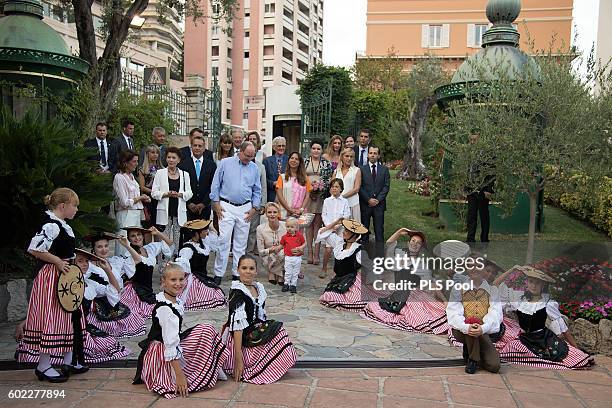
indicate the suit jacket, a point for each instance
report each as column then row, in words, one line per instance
column 93, row 143
column 200, row 187
column 119, row 145
column 160, row 187
column 370, row 189
column 271, row 166
column 356, row 149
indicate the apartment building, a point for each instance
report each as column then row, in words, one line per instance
column 272, row 42
column 453, row 29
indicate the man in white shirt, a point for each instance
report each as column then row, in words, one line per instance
column 471, row 329
column 105, row 155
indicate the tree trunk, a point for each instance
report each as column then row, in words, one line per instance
column 413, row 167
column 533, row 203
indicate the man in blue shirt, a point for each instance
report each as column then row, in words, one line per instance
column 275, row 165
column 236, row 196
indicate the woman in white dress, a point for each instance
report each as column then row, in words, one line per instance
column 351, row 177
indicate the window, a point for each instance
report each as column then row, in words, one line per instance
column 247, row 34
column 214, row 51
column 269, row 29
column 215, row 30
column 247, row 14
column 229, row 93
column 216, row 9
column 246, row 54
column 268, row 71
column 287, row 75
column 479, row 30
column 229, row 73
column 229, row 53
column 228, row 113
column 245, row 115
column 435, row 36
column 268, row 50
column 270, row 8
column 215, row 71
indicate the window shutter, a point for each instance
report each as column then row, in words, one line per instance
column 425, row 36
column 471, row 33
column 446, row 35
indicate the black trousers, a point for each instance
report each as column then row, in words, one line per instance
column 477, row 203
column 378, row 214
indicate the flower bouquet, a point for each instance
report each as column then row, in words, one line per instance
column 317, row 187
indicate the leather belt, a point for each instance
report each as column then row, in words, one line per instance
column 234, row 204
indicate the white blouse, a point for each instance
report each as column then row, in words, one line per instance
column 122, row 265
column 43, row 240
column 514, row 300
column 94, row 289
column 126, row 189
column 335, row 208
column 239, row 317
column 336, row 242
column 170, row 326
column 491, row 321
column 209, row 244
column 153, row 249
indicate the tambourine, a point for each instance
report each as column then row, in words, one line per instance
column 71, row 289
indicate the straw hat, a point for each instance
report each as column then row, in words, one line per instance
column 418, row 234
column 88, row 254
column 534, row 273
column 354, row 226
column 99, row 236
column 197, row 224
column 134, row 228
column 452, row 249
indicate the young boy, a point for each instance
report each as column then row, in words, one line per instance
column 334, row 207
column 293, row 243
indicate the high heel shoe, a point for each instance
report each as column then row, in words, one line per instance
column 43, row 377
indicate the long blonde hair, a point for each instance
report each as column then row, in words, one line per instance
column 146, row 164
column 60, row 195
column 329, row 150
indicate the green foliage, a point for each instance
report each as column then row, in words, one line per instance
column 146, row 111
column 317, row 80
column 37, row 157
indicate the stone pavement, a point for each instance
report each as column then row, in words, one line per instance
column 318, row 332
column 351, row 388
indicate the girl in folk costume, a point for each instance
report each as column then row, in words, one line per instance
column 411, row 310
column 201, row 292
column 344, row 290
column 138, row 294
column 539, row 345
column 174, row 362
column 260, row 349
column 113, row 317
column 48, row 328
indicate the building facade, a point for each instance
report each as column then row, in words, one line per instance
column 452, row 29
column 272, row 42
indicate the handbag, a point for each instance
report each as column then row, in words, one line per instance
column 261, row 333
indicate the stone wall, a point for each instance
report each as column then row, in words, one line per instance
column 591, row 337
column 14, row 300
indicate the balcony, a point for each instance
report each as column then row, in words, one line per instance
column 287, row 22
column 287, row 64
column 287, row 43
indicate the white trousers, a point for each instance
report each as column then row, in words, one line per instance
column 232, row 222
column 292, row 269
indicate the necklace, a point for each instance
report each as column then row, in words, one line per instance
column 172, row 172
column 312, row 165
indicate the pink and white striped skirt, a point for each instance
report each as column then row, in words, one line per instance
column 202, row 297
column 512, row 332
column 203, row 353
column 351, row 300
column 130, row 298
column 130, row 326
column 516, row 352
column 263, row 364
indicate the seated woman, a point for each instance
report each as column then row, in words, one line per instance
column 344, row 289
column 260, row 349
column 115, row 318
column 201, row 292
column 175, row 362
column 538, row 345
column 415, row 310
column 269, row 248
column 138, row 294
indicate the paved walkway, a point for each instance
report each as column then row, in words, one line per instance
column 354, row 388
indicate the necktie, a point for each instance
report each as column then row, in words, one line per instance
column 361, row 157
column 374, row 172
column 130, row 145
column 102, row 153
column 198, row 168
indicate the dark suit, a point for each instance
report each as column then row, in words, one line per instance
column 357, row 150
column 478, row 203
column 119, row 145
column 377, row 189
column 271, row 165
column 199, row 186
column 94, row 143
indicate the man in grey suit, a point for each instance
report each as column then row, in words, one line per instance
column 375, row 184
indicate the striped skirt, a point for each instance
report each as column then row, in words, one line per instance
column 130, row 298
column 517, row 353
column 351, row 300
column 130, row 326
column 48, row 327
column 511, row 333
column 422, row 313
column 203, row 354
column 202, row 297
column 263, row 364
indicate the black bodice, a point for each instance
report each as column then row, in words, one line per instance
column 347, row 265
column 63, row 244
column 197, row 262
column 530, row 323
column 142, row 282
column 155, row 333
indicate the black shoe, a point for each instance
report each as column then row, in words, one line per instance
column 280, row 283
column 285, row 288
column 465, row 354
column 293, row 289
column 43, row 377
column 217, row 280
column 471, row 366
column 68, row 370
column 234, row 277
column 273, row 282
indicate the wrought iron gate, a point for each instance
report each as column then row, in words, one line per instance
column 316, row 118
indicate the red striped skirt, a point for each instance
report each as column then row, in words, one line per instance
column 48, row 327
column 512, row 332
column 202, row 297
column 203, row 353
column 130, row 326
column 350, row 300
column 96, row 350
column 130, row 298
column 517, row 353
column 422, row 313
column 263, row 364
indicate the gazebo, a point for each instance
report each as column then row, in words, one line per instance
column 500, row 53
column 35, row 61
